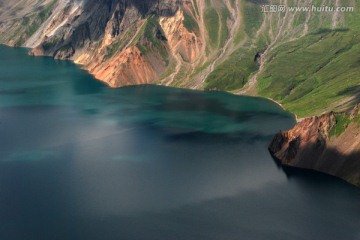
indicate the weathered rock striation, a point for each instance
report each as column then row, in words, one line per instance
column 120, row 42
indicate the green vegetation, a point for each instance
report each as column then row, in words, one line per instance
column 308, row 74
column 32, row 24
column 353, row 18
column 32, row 28
column 122, row 41
column 311, row 74
column 216, row 24
column 253, row 17
column 149, row 40
column 29, row 26
column 212, row 23
column 342, row 122
column 200, row 69
column 234, row 72
column 357, row 119
column 150, row 34
column 196, row 7
column 224, row 32
column 190, row 23
column 114, row 48
column 299, row 19
column 47, row 11
column 178, row 79
column 240, row 33
column 138, row 36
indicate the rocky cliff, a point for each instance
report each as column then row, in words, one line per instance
column 121, row 42
column 202, row 44
column 309, row 61
column 329, row 144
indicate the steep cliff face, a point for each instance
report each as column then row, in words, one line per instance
column 117, row 41
column 329, row 144
column 121, row 42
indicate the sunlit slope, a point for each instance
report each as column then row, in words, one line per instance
column 308, row 61
column 319, row 73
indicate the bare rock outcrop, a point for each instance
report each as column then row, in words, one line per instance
column 313, row 144
column 120, row 42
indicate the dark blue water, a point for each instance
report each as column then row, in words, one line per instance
column 81, row 161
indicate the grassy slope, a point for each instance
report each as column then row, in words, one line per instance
column 190, row 23
column 308, row 75
column 216, row 16
column 319, row 72
column 312, row 73
column 342, row 122
column 212, row 23
column 235, row 71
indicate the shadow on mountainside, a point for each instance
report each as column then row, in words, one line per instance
column 158, row 7
column 98, row 15
column 328, row 30
column 353, row 91
column 323, row 159
column 145, row 7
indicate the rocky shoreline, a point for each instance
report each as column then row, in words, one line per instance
column 314, row 144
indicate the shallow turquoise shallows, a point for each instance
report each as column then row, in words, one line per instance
column 81, row 161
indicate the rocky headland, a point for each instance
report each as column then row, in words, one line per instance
column 329, row 143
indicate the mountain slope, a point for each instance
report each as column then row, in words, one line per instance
column 125, row 42
column 203, row 44
column 309, row 61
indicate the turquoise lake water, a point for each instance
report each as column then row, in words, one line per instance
column 79, row 160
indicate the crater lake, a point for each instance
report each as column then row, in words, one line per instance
column 79, row 160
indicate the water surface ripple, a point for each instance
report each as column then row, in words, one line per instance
column 81, row 161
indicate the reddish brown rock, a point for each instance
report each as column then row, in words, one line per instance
column 309, row 145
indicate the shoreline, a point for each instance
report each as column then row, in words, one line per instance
column 283, row 108
column 297, row 119
column 200, row 90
